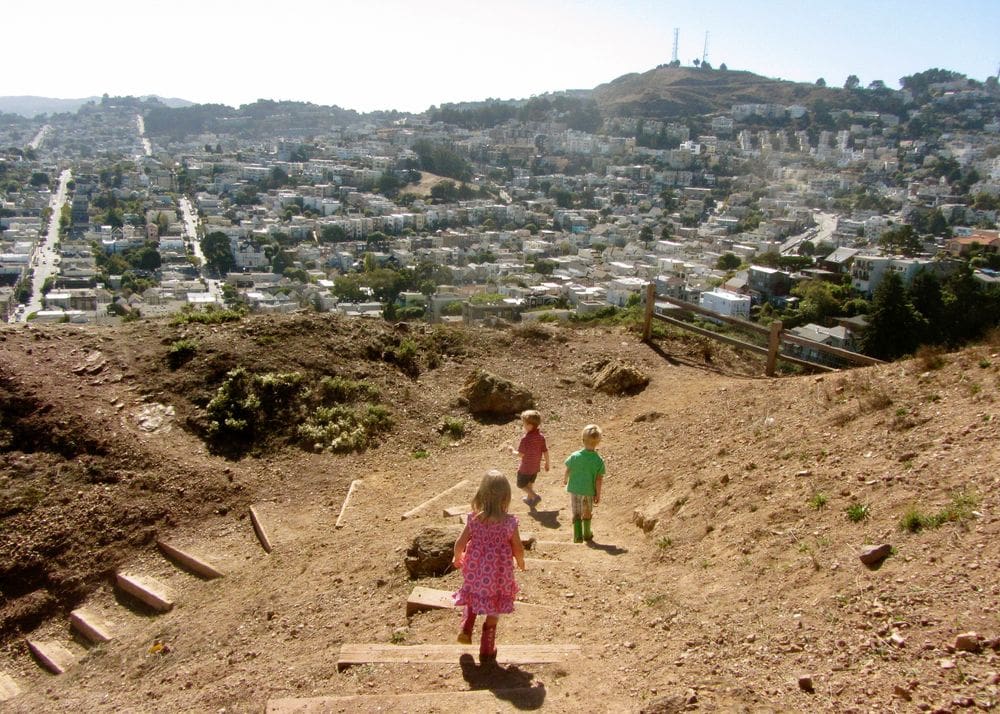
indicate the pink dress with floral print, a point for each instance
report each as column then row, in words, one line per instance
column 489, row 586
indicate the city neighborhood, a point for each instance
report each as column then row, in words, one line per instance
column 524, row 219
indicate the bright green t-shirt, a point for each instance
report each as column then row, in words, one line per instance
column 584, row 467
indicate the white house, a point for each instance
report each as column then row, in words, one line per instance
column 726, row 303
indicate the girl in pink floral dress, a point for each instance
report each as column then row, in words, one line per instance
column 484, row 552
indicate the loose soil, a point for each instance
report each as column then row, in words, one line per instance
column 725, row 566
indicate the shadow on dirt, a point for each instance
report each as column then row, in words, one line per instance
column 509, row 683
column 546, row 519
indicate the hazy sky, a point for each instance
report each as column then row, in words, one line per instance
column 410, row 54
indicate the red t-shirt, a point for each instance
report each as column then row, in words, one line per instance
column 531, row 448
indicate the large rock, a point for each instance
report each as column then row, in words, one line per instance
column 615, row 377
column 489, row 395
column 430, row 553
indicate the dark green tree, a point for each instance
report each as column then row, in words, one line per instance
column 218, row 255
column 728, row 261
column 894, row 326
column 928, row 300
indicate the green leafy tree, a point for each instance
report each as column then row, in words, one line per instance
column 928, row 299
column 852, row 82
column 902, row 240
column 728, row 261
column 894, row 325
column 218, row 254
column 332, row 234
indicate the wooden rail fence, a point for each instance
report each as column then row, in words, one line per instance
column 775, row 336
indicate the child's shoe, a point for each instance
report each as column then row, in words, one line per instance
column 468, row 622
column 577, row 530
column 587, row 533
column 488, row 643
column 536, row 501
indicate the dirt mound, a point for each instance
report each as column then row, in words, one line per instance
column 725, row 569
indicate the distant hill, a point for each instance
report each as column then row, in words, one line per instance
column 29, row 106
column 683, row 91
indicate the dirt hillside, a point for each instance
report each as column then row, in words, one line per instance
column 725, row 573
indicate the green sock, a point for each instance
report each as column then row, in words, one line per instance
column 587, row 535
column 577, row 530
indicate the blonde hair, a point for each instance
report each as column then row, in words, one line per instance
column 591, row 435
column 530, row 416
column 493, row 497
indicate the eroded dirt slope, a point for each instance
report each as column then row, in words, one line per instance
column 743, row 577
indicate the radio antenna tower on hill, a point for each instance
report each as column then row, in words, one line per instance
column 673, row 55
column 704, row 52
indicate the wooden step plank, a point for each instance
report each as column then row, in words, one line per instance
column 258, row 528
column 52, row 655
column 189, row 562
column 90, row 625
column 146, row 589
column 343, row 509
column 469, row 699
column 8, row 687
column 453, row 511
column 414, row 511
column 352, row 653
column 422, row 599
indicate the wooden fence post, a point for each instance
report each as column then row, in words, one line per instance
column 773, row 345
column 647, row 324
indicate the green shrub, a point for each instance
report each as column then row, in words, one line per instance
column 210, row 316
column 818, row 500
column 857, row 512
column 180, row 351
column 453, row 426
column 339, row 390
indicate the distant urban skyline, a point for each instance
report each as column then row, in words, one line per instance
column 394, row 54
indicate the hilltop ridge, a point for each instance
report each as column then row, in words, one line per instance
column 734, row 512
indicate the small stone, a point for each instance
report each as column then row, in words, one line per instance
column 897, row 639
column 875, row 554
column 902, row 692
column 993, row 678
column 946, row 663
column 964, row 702
column 968, row 642
column 806, row 683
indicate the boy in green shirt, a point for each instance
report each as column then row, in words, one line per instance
column 583, row 479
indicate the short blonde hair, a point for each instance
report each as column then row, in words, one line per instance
column 530, row 416
column 493, row 497
column 591, row 435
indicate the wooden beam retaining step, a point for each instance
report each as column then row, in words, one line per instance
column 191, row 563
column 52, row 655
column 452, row 511
column 90, row 625
column 8, row 687
column 353, row 654
column 414, row 511
column 422, row 599
column 343, row 509
column 258, row 528
column 146, row 589
column 468, row 699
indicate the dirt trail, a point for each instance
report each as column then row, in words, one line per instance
column 745, row 579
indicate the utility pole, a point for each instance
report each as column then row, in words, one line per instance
column 704, row 53
column 673, row 55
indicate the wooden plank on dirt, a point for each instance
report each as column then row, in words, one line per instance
column 414, row 511
column 90, row 625
column 422, row 599
column 8, row 687
column 189, row 562
column 350, row 492
column 146, row 589
column 352, row 654
column 52, row 655
column 258, row 528
column 467, row 699
column 452, row 511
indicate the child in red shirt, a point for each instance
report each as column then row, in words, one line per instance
column 532, row 449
